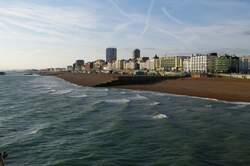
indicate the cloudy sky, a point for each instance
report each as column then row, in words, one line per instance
column 46, row 33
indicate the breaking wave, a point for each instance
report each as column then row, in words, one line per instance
column 160, row 116
column 62, row 92
column 117, row 101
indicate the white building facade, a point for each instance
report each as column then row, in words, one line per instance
column 201, row 63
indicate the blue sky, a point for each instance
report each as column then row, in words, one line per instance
column 39, row 34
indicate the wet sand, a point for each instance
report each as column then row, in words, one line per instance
column 235, row 90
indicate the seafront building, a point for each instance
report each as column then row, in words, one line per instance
column 89, row 66
column 70, row 68
column 212, row 63
column 187, row 65
column 155, row 63
column 136, row 54
column 245, row 64
column 99, row 64
column 120, row 64
column 201, row 63
column 167, row 63
column 227, row 64
column 222, row 64
column 235, row 64
column 143, row 63
column 111, row 55
column 78, row 65
column 172, row 63
column 131, row 65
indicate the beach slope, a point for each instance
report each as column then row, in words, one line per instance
column 235, row 90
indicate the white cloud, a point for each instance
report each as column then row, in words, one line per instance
column 45, row 19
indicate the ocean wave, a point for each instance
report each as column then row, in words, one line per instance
column 237, row 103
column 80, row 96
column 52, row 91
column 155, row 103
column 117, row 101
column 209, row 99
column 208, row 106
column 160, row 116
column 37, row 129
column 159, row 94
column 239, row 106
column 138, row 97
column 62, row 92
column 99, row 89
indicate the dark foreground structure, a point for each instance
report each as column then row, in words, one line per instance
column 3, row 156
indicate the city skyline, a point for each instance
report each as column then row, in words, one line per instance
column 38, row 34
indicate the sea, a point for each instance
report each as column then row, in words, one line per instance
column 46, row 121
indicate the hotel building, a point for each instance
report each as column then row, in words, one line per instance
column 201, row 63
column 172, row 63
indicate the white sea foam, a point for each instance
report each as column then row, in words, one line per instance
column 237, row 103
column 160, row 116
column 62, row 92
column 99, row 89
column 80, row 96
column 208, row 106
column 159, row 94
column 138, row 97
column 210, row 99
column 155, row 103
column 52, row 90
column 239, row 106
column 35, row 130
column 117, row 101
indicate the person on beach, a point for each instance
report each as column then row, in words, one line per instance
column 3, row 156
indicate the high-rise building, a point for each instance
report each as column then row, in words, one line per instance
column 111, row 55
column 136, row 54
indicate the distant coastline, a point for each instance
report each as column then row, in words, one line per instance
column 226, row 89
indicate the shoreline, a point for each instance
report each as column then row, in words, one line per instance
column 222, row 89
column 188, row 96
